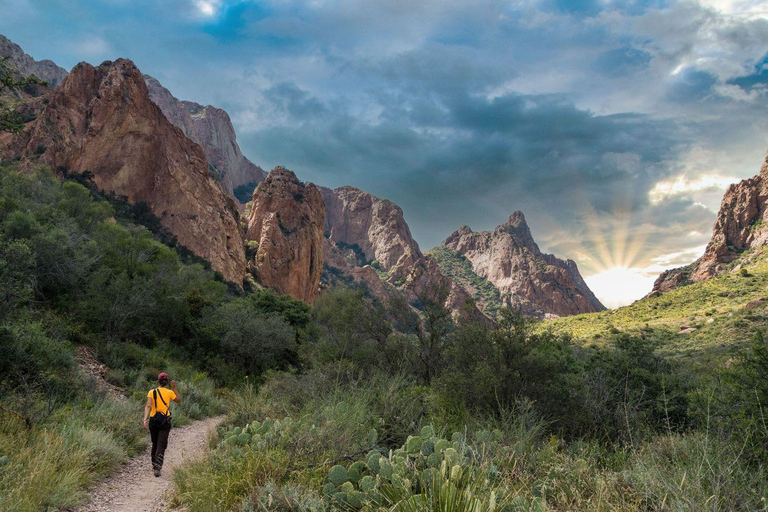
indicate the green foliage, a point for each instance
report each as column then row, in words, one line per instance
column 16, row 266
column 633, row 390
column 455, row 265
column 490, row 371
column 244, row 193
column 352, row 327
column 250, row 339
column 746, row 398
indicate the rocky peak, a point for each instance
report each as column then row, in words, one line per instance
column 376, row 226
column 538, row 284
column 517, row 219
column 212, row 129
column 101, row 120
column 741, row 224
column 45, row 70
column 285, row 235
column 362, row 230
column 518, row 228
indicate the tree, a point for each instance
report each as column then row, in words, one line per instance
column 432, row 326
column 10, row 120
column 16, row 270
column 353, row 327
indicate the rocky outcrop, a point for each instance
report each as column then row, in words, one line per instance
column 538, row 284
column 285, row 235
column 742, row 224
column 212, row 129
column 375, row 226
column 101, row 120
column 425, row 279
column 45, row 70
column 364, row 231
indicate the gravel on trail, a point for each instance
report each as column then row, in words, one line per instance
column 133, row 488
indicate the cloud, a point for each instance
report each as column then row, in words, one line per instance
column 206, row 8
column 90, row 47
column 606, row 122
column 682, row 185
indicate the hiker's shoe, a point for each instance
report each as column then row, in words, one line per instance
column 157, row 472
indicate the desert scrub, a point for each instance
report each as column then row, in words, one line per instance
column 288, row 434
column 685, row 471
column 50, row 465
column 135, row 368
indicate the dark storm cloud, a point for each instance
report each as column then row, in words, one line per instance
column 537, row 148
column 692, row 85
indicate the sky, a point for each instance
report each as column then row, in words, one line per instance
column 614, row 125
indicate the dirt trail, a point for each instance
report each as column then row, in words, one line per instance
column 135, row 489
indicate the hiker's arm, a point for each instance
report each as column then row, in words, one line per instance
column 147, row 408
column 176, row 392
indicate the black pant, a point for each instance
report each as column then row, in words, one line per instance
column 159, row 444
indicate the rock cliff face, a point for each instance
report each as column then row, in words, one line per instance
column 101, row 120
column 363, row 231
column 212, row 129
column 538, row 284
column 44, row 69
column 742, row 223
column 376, row 226
column 286, row 223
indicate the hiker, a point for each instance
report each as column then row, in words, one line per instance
column 159, row 412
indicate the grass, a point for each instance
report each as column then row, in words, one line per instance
column 724, row 311
column 52, row 464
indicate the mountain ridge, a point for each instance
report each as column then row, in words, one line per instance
column 537, row 284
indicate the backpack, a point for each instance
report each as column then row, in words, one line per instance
column 161, row 420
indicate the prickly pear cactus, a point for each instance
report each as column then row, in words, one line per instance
column 427, row 472
column 257, row 435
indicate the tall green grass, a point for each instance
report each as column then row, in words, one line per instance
column 51, row 465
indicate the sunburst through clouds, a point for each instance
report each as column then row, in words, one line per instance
column 616, row 255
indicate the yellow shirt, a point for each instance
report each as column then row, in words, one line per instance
column 168, row 396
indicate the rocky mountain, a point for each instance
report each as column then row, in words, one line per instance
column 367, row 241
column 44, row 69
column 285, row 235
column 101, row 120
column 538, row 284
column 212, row 129
column 373, row 226
column 742, row 224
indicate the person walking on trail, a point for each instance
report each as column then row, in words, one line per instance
column 158, row 409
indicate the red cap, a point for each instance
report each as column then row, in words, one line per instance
column 162, row 376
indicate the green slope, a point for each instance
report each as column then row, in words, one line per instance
column 724, row 311
column 456, row 266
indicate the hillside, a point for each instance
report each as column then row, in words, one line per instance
column 456, row 266
column 710, row 317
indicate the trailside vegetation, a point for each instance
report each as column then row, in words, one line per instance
column 454, row 415
column 77, row 270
